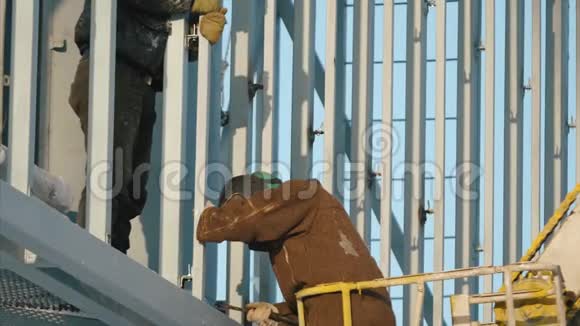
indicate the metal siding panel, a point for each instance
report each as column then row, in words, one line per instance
column 302, row 89
column 240, row 142
column 489, row 178
column 101, row 113
column 387, row 161
column 362, row 106
column 415, row 149
column 173, row 152
column 201, row 200
column 266, row 134
column 536, row 84
column 2, row 47
column 513, row 160
column 439, row 182
column 556, row 100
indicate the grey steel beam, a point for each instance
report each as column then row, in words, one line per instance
column 97, row 267
column 173, row 152
column 536, row 84
column 23, row 94
column 362, row 106
column 2, row 47
column 414, row 149
column 439, row 184
column 556, row 143
column 203, row 127
column 489, row 178
column 387, row 128
column 215, row 180
column 334, row 106
column 302, row 89
column 23, row 99
column 465, row 132
column 101, row 115
column 266, row 133
column 239, row 147
column 513, row 160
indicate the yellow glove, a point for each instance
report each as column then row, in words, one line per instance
column 205, row 6
column 211, row 25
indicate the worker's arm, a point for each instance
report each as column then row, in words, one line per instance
column 161, row 7
column 284, row 310
column 260, row 219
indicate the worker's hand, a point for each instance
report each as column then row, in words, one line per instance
column 259, row 312
column 211, row 25
column 203, row 7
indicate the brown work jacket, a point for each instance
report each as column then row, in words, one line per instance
column 311, row 241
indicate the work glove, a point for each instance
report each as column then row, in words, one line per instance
column 203, row 7
column 211, row 25
column 259, row 313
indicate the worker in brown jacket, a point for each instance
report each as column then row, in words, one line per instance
column 311, row 241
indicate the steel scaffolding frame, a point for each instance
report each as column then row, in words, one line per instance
column 242, row 139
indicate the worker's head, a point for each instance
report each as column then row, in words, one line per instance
column 248, row 184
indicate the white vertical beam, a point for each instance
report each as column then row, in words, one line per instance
column 2, row 46
column 334, row 97
column 387, row 162
column 513, row 159
column 173, row 151
column 556, row 104
column 101, row 113
column 439, row 182
column 466, row 135
column 302, row 89
column 240, row 113
column 266, row 133
column 362, row 107
column 202, row 131
column 489, row 177
column 23, row 97
column 414, row 149
column 536, row 116
column 23, row 93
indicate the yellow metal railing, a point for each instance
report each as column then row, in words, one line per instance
column 347, row 288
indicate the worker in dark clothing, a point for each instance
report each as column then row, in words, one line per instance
column 142, row 33
column 310, row 240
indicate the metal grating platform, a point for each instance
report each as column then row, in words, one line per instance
column 25, row 303
column 17, row 292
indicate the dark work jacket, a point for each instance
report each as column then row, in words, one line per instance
column 311, row 241
column 142, row 31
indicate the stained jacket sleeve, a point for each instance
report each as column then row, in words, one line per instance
column 260, row 219
column 161, row 7
column 286, row 311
